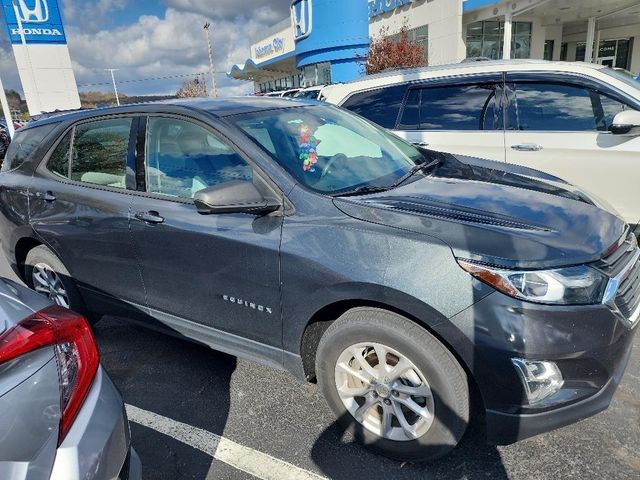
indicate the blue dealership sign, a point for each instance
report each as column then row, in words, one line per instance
column 39, row 20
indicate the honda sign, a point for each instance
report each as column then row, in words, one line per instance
column 39, row 21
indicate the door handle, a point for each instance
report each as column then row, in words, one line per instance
column 149, row 217
column 420, row 144
column 49, row 197
column 527, row 147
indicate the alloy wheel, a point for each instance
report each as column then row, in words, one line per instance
column 47, row 282
column 384, row 391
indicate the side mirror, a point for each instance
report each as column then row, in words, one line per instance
column 236, row 196
column 626, row 123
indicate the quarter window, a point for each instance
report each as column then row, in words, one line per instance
column 182, row 158
column 380, row 106
column 464, row 107
column 23, row 145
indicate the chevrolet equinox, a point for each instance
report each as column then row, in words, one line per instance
column 408, row 283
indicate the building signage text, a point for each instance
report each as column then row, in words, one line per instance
column 276, row 46
column 379, row 7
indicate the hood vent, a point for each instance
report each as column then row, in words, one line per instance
column 456, row 214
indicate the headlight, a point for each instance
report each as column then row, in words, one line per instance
column 579, row 285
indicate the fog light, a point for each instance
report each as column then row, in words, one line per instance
column 540, row 379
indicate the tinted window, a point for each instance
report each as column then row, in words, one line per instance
column 380, row 106
column 23, row 145
column 411, row 113
column 59, row 159
column 183, row 158
column 555, row 107
column 463, row 107
column 100, row 152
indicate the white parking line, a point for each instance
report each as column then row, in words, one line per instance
column 243, row 458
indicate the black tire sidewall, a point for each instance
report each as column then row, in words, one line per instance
column 446, row 378
column 42, row 254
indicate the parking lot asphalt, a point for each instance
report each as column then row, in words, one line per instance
column 201, row 414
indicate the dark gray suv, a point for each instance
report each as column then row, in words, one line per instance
column 406, row 282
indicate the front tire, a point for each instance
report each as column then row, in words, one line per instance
column 46, row 274
column 393, row 385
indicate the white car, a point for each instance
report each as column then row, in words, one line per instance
column 577, row 121
column 312, row 93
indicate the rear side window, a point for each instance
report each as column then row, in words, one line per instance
column 24, row 143
column 380, row 106
column 458, row 107
column 97, row 151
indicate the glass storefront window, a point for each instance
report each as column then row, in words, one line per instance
column 613, row 53
column 318, row 74
column 485, row 39
column 548, row 49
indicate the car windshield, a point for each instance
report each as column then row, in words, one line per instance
column 330, row 150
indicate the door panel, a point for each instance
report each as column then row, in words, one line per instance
column 465, row 118
column 562, row 129
column 86, row 222
column 219, row 270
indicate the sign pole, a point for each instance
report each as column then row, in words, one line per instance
column 26, row 52
column 6, row 110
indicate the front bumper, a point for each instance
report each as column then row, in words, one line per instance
column 591, row 346
column 97, row 447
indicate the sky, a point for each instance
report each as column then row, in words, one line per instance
column 146, row 39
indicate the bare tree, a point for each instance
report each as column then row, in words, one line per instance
column 393, row 51
column 192, row 88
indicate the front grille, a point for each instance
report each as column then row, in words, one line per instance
column 628, row 296
column 623, row 266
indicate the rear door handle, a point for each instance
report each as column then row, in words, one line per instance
column 527, row 147
column 149, row 217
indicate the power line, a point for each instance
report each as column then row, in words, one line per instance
column 137, row 80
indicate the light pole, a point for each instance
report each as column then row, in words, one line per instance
column 212, row 68
column 113, row 79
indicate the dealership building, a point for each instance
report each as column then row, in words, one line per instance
column 324, row 41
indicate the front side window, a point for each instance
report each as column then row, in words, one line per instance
column 563, row 107
column 182, row 158
column 330, row 150
column 464, row 107
column 97, row 150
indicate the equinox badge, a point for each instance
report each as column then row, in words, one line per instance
column 245, row 303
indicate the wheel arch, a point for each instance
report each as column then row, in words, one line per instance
column 23, row 246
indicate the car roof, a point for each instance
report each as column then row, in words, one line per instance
column 464, row 68
column 217, row 107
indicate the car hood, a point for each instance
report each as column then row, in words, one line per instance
column 494, row 215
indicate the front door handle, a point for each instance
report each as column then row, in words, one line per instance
column 149, row 217
column 527, row 147
column 420, row 144
column 49, row 197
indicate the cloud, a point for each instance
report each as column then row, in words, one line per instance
column 162, row 46
column 269, row 11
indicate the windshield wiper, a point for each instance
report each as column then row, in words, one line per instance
column 415, row 169
column 363, row 190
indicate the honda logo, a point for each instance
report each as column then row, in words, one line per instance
column 301, row 17
column 31, row 11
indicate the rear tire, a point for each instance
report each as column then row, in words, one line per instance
column 46, row 274
column 429, row 389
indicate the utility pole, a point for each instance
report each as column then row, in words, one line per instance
column 212, row 68
column 113, row 79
